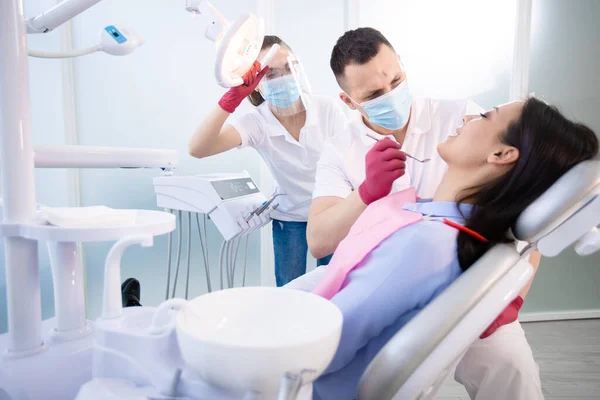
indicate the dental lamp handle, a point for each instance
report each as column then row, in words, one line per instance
column 266, row 60
column 112, row 303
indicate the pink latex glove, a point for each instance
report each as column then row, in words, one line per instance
column 384, row 164
column 510, row 314
column 234, row 96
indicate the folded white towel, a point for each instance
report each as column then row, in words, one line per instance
column 88, row 217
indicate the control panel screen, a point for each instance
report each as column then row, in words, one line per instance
column 232, row 188
column 115, row 34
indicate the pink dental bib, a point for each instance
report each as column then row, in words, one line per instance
column 381, row 219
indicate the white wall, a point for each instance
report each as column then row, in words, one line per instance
column 311, row 28
column 450, row 49
column 565, row 61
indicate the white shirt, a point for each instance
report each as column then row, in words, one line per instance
column 341, row 168
column 292, row 163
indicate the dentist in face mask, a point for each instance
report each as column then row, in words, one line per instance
column 288, row 126
column 368, row 159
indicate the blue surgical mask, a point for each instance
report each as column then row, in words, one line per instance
column 281, row 92
column 391, row 110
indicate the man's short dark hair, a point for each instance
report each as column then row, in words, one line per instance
column 358, row 46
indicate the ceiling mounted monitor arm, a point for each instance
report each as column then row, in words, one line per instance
column 68, row 9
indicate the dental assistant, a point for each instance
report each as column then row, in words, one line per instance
column 288, row 127
column 356, row 170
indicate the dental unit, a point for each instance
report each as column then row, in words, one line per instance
column 233, row 202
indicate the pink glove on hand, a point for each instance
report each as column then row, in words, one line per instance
column 384, row 164
column 234, row 96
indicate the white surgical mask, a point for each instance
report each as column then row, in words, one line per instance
column 391, row 110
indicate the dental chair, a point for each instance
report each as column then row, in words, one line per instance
column 417, row 360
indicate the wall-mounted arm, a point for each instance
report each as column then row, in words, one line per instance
column 68, row 9
column 103, row 157
column 58, row 15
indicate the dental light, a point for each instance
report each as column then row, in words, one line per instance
column 238, row 42
column 115, row 40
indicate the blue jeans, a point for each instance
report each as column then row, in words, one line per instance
column 290, row 247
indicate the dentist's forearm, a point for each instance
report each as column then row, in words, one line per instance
column 329, row 222
column 210, row 138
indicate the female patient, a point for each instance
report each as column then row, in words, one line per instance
column 497, row 165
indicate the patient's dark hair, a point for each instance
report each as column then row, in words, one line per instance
column 549, row 145
column 255, row 97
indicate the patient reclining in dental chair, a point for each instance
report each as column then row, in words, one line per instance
column 402, row 253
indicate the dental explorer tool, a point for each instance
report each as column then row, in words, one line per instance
column 268, row 203
column 369, row 134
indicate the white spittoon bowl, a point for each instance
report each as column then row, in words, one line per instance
column 245, row 339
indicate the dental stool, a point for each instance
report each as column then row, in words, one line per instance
column 417, row 360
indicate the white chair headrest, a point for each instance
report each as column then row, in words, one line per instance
column 573, row 191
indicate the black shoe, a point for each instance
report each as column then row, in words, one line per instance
column 131, row 292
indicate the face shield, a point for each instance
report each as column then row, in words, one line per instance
column 285, row 87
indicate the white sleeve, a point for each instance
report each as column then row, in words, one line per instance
column 331, row 180
column 250, row 128
column 308, row 281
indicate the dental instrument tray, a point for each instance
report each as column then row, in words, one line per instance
column 146, row 222
column 226, row 198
